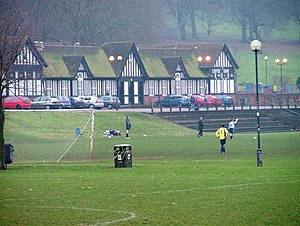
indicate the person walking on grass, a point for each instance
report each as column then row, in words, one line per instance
column 231, row 126
column 200, row 127
column 128, row 126
column 222, row 134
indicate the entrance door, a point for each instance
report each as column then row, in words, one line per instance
column 131, row 92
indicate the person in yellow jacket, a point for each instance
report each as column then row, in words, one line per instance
column 222, row 134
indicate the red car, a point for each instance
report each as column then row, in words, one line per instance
column 201, row 101
column 213, row 101
column 15, row 102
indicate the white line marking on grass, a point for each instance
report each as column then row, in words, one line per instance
column 215, row 187
column 130, row 217
column 252, row 184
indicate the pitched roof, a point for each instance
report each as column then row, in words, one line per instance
column 36, row 52
column 13, row 46
column 109, row 60
column 120, row 52
column 163, row 62
column 171, row 63
column 72, row 63
column 63, row 61
column 201, row 49
column 213, row 50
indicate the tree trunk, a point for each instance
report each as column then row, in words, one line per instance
column 244, row 32
column 182, row 32
column 2, row 150
column 193, row 23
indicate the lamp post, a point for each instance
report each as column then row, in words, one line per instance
column 266, row 60
column 281, row 63
column 256, row 46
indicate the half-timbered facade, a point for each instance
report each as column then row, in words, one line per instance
column 25, row 77
column 137, row 75
column 171, row 71
column 219, row 65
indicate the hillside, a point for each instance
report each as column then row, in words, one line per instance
column 272, row 49
column 280, row 43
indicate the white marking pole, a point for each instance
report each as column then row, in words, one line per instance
column 92, row 135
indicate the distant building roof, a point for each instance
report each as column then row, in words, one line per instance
column 109, row 60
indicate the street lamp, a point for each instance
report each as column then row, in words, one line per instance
column 266, row 60
column 281, row 63
column 256, row 46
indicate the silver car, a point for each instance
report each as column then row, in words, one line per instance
column 92, row 102
column 45, row 102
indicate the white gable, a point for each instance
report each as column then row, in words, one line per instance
column 223, row 61
column 131, row 68
column 26, row 57
column 180, row 71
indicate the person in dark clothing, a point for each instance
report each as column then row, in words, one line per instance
column 192, row 100
column 222, row 134
column 200, row 127
column 128, row 126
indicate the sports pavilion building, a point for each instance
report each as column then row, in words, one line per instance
column 136, row 74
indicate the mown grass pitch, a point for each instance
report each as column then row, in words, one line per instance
column 176, row 179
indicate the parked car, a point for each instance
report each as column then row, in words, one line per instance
column 111, row 101
column 199, row 101
column 213, row 101
column 77, row 102
column 174, row 100
column 16, row 102
column 64, row 101
column 226, row 100
column 45, row 102
column 92, row 102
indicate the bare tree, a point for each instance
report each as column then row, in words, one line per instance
column 40, row 15
column 74, row 16
column 210, row 14
column 180, row 10
column 13, row 34
column 294, row 10
column 193, row 6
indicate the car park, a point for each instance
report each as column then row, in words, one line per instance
column 111, row 101
column 64, row 101
column 45, row 102
column 92, row 102
column 76, row 102
column 174, row 100
column 16, row 102
column 226, row 100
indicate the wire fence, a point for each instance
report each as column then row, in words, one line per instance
column 48, row 136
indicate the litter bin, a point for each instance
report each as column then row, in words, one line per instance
column 9, row 153
column 123, row 155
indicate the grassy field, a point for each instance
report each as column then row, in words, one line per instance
column 176, row 178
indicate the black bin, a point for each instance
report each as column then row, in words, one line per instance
column 123, row 155
column 9, row 153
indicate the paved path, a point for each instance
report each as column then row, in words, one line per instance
column 176, row 109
